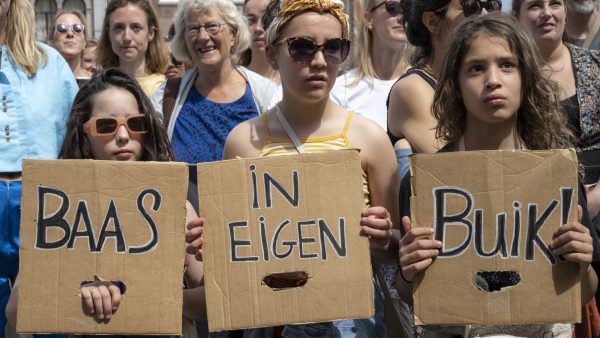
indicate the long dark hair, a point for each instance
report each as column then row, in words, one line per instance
column 416, row 32
column 76, row 145
column 541, row 123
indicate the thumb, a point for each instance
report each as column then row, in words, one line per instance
column 406, row 223
column 579, row 213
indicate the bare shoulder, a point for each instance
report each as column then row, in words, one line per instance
column 412, row 87
column 245, row 140
column 366, row 133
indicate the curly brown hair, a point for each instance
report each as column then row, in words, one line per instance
column 541, row 122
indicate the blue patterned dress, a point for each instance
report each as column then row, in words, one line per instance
column 203, row 125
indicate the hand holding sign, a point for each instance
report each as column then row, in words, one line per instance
column 377, row 225
column 417, row 249
column 573, row 242
column 101, row 298
column 193, row 237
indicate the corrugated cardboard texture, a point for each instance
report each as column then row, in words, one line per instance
column 329, row 188
column 50, row 278
column 445, row 293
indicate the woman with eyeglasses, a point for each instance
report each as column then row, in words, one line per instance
column 132, row 41
column 379, row 54
column 36, row 93
column 67, row 35
column 429, row 25
column 216, row 95
column 306, row 42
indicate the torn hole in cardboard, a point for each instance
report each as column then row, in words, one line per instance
column 285, row 280
column 491, row 281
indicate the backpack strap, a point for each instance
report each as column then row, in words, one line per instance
column 169, row 98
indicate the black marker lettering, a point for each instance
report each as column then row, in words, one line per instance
column 153, row 242
column 302, row 239
column 441, row 220
column 270, row 181
column 55, row 220
column 111, row 214
column 339, row 246
column 82, row 214
column 235, row 243
column 533, row 227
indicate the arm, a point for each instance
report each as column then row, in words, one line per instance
column 379, row 161
column 245, row 140
column 194, row 303
column 409, row 114
column 11, row 307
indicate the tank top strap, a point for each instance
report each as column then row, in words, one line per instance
column 347, row 124
column 345, row 130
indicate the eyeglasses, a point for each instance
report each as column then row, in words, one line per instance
column 102, row 126
column 394, row 8
column 63, row 27
column 303, row 50
column 471, row 7
column 210, row 28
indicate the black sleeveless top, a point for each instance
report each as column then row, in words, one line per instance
column 421, row 73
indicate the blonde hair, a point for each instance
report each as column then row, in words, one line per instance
column 362, row 47
column 156, row 55
column 20, row 37
column 75, row 12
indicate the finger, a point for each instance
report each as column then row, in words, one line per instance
column 570, row 227
column 115, row 296
column 196, row 222
column 410, row 271
column 573, row 247
column 414, row 234
column 578, row 257
column 106, row 301
column 193, row 234
column 377, row 211
column 87, row 299
column 198, row 256
column 194, row 246
column 569, row 237
column 406, row 223
column 97, row 299
column 375, row 233
column 379, row 223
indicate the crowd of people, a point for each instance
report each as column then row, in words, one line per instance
column 283, row 77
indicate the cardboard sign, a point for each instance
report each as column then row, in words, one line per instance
column 298, row 216
column 116, row 220
column 495, row 212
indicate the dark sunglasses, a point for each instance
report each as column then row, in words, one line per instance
column 63, row 27
column 394, row 8
column 471, row 7
column 96, row 126
column 303, row 50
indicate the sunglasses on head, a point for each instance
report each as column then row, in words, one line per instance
column 63, row 27
column 303, row 50
column 471, row 7
column 96, row 126
column 393, row 8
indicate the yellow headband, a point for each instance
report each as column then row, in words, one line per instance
column 293, row 8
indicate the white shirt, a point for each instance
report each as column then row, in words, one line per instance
column 368, row 98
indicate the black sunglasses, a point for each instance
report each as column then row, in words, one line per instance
column 63, row 27
column 394, row 8
column 471, row 7
column 303, row 50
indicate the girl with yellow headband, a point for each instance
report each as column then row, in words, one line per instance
column 306, row 43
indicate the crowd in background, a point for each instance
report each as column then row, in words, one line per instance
column 284, row 77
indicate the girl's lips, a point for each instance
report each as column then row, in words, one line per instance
column 123, row 155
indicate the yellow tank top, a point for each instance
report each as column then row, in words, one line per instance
column 284, row 146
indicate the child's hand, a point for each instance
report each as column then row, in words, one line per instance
column 573, row 242
column 416, row 251
column 101, row 298
column 377, row 225
column 193, row 237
